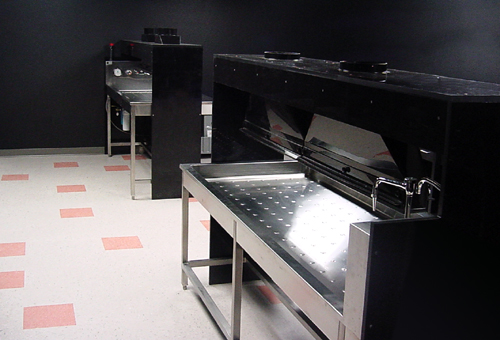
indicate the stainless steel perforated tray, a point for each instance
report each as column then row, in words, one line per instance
column 304, row 223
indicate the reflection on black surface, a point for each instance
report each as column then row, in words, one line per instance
column 319, row 137
column 403, row 80
column 332, row 138
column 281, row 124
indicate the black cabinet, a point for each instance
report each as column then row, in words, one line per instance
column 175, row 132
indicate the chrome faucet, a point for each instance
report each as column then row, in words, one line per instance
column 430, row 182
column 408, row 185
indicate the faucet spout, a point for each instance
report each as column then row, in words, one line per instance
column 428, row 181
column 408, row 185
column 432, row 184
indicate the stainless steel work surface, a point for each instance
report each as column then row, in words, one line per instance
column 303, row 222
column 135, row 98
column 138, row 100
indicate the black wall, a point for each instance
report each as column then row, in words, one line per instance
column 53, row 51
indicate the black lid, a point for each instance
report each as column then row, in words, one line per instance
column 363, row 66
column 281, row 55
column 161, row 30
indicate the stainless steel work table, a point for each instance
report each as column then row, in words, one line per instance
column 138, row 102
column 295, row 229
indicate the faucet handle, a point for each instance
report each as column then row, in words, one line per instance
column 429, row 181
column 410, row 185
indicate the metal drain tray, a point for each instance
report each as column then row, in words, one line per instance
column 301, row 223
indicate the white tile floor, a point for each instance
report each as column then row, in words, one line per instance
column 79, row 259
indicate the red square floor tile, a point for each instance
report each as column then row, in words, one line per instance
column 49, row 316
column 70, row 188
column 137, row 157
column 18, row 177
column 12, row 249
column 126, row 242
column 66, row 165
column 206, row 224
column 11, row 280
column 268, row 294
column 76, row 212
column 116, row 167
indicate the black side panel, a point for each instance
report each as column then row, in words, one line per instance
column 472, row 179
column 229, row 144
column 392, row 246
column 451, row 290
column 176, row 128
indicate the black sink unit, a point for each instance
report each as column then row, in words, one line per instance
column 173, row 105
column 440, row 280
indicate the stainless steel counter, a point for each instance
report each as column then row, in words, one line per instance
column 294, row 228
column 136, row 102
column 132, row 89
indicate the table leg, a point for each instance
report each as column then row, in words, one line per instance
column 185, row 234
column 108, row 111
column 132, row 153
column 237, row 285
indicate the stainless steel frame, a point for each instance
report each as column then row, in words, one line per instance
column 230, row 331
column 298, row 233
column 137, row 111
column 135, row 96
